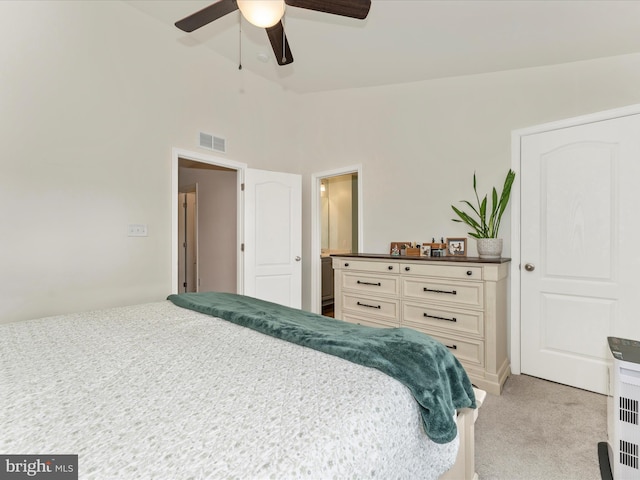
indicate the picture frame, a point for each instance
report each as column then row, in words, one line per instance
column 457, row 247
column 425, row 250
column 398, row 246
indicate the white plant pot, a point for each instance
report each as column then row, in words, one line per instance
column 489, row 248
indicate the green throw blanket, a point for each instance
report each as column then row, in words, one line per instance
column 435, row 377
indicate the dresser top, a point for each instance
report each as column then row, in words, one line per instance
column 424, row 259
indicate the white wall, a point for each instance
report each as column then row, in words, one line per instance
column 94, row 95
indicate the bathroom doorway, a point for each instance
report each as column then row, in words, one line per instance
column 338, row 229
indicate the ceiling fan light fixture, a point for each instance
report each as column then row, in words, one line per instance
column 262, row 13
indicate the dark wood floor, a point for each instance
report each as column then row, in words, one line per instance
column 327, row 310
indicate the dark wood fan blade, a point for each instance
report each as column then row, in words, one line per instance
column 207, row 15
column 276, row 37
column 346, row 8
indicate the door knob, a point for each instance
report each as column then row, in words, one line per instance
column 298, row 259
column 529, row 267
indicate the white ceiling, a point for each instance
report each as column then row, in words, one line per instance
column 411, row 40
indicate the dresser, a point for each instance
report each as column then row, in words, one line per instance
column 460, row 301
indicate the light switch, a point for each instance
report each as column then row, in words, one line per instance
column 137, row 230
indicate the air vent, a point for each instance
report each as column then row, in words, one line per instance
column 629, row 410
column 629, row 454
column 211, row 142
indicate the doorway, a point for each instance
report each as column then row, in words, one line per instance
column 219, row 220
column 336, row 228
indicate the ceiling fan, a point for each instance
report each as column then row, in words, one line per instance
column 268, row 14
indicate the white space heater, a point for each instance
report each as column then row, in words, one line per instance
column 623, row 409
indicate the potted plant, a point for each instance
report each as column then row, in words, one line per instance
column 486, row 222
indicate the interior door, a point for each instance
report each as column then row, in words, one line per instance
column 188, row 277
column 273, row 237
column 579, row 253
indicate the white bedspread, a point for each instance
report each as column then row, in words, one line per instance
column 159, row 392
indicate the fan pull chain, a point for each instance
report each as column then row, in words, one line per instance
column 240, row 42
column 284, row 41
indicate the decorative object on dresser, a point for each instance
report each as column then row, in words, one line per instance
column 460, row 301
column 396, row 247
column 487, row 228
column 489, row 247
column 412, row 251
column 438, row 249
column 457, row 247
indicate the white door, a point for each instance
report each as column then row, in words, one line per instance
column 273, row 237
column 580, row 259
column 188, row 239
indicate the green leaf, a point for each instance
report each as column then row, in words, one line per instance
column 465, row 218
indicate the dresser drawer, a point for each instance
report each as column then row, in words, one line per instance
column 445, row 271
column 452, row 293
column 379, row 307
column 366, row 266
column 467, row 350
column 369, row 321
column 421, row 316
column 372, row 284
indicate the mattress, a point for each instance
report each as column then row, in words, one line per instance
column 155, row 391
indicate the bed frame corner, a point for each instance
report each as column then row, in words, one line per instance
column 464, row 468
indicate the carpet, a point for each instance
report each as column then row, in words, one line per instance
column 540, row 430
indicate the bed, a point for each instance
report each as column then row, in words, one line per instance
column 164, row 391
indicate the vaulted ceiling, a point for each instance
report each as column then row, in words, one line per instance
column 412, row 40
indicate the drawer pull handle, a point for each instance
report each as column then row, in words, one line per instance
column 406, row 269
column 390, row 267
column 378, row 284
column 369, row 306
column 346, row 264
column 469, row 272
column 452, row 347
column 450, row 292
column 454, row 319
